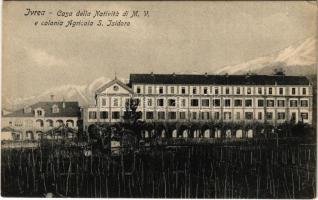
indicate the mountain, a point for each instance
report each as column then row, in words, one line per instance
column 84, row 94
column 297, row 59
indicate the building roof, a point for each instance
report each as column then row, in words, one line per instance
column 115, row 81
column 204, row 79
column 71, row 109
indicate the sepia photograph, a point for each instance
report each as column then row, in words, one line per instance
column 159, row 99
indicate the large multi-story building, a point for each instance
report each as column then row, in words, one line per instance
column 272, row 99
column 30, row 122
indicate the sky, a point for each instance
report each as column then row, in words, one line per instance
column 180, row 37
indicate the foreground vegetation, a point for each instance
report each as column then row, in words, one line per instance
column 245, row 169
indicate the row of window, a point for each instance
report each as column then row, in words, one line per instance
column 216, row 90
column 161, row 115
column 40, row 123
column 217, row 103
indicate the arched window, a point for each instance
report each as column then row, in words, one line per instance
column 70, row 123
column 59, row 122
column 49, row 123
column 39, row 123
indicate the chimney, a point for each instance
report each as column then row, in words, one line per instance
column 52, row 97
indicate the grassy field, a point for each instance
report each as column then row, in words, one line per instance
column 246, row 169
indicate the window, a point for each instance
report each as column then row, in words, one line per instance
column 171, row 90
column 238, row 115
column 293, row 103
column 149, row 90
column 55, row 109
column 216, row 90
column 104, row 115
column 281, row 103
column 260, row 116
column 238, row 90
column 115, row 115
column 270, row 103
column 205, row 115
column 182, row 115
column 161, row 115
column 149, row 115
column 260, row 103
column 138, row 90
column 103, row 102
column 183, row 103
column 18, row 123
column 171, row 102
column 29, row 123
column 304, row 103
column 149, row 102
column 92, row 115
column 249, row 115
column 160, row 102
column 194, row 90
column 280, row 115
column 205, row 90
column 248, row 102
column 183, row 90
column 216, row 115
column 249, row 91
column 269, row 115
column 137, row 102
column 227, row 102
column 194, row 102
column 127, row 102
column 216, row 102
column 270, row 90
column 160, row 90
column 205, row 102
column 237, row 102
column 172, row 115
column 304, row 91
column 227, row 115
column 281, row 90
column 304, row 115
column 293, row 116
column 293, row 90
column 115, row 103
column 259, row 90
column 194, row 115
column 39, row 112
column 227, row 90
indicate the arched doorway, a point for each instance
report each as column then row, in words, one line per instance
column 228, row 133
column 70, row 123
column 29, row 135
column 239, row 133
column 250, row 133
column 39, row 123
column 217, row 133
column 59, row 122
column 49, row 123
column 174, row 133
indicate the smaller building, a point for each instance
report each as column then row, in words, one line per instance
column 34, row 120
column 9, row 134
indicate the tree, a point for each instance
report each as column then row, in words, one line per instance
column 279, row 71
column 131, row 116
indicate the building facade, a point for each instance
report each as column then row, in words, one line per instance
column 220, row 98
column 32, row 121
